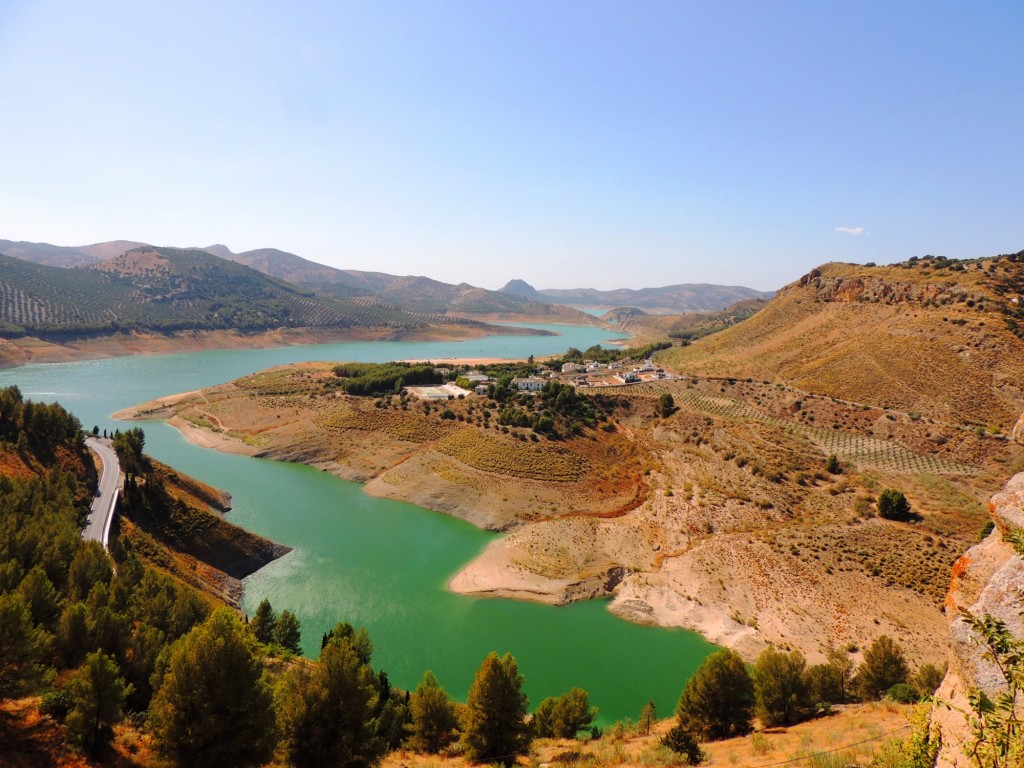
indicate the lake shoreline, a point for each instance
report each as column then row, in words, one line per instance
column 210, row 419
column 375, row 561
column 28, row 350
column 488, row 575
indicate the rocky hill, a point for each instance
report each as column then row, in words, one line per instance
column 686, row 327
column 669, row 299
column 928, row 336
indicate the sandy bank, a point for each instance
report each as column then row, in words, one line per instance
column 16, row 352
column 206, row 438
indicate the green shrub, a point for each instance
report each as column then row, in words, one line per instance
column 681, row 740
column 904, row 693
column 56, row 704
column 893, row 505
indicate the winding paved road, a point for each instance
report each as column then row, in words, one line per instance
column 101, row 515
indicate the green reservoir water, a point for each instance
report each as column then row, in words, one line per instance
column 379, row 563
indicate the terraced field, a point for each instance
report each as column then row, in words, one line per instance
column 860, row 450
column 401, row 425
column 505, row 456
column 928, row 335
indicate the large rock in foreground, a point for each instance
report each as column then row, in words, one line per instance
column 988, row 579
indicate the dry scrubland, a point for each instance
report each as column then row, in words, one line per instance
column 721, row 516
column 923, row 337
column 853, row 734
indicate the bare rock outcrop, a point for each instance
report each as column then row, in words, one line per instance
column 988, row 579
column 884, row 290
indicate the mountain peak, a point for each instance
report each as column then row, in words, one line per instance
column 217, row 249
column 519, row 287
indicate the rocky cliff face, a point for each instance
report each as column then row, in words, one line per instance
column 884, row 290
column 988, row 579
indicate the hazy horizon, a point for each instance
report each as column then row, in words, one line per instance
column 570, row 145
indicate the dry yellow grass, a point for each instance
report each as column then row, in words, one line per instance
column 852, row 735
column 915, row 339
column 403, row 425
column 506, row 456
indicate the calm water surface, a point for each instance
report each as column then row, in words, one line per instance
column 379, row 563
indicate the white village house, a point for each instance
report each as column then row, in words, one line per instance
column 528, row 383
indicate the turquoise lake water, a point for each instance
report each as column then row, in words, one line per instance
column 379, row 563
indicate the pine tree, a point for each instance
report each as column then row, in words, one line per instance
column 542, row 722
column 72, row 639
column 41, row 597
column 824, row 684
column 433, row 716
column 326, row 710
column 718, row 701
column 90, row 566
column 22, row 647
column 781, row 690
column 212, row 707
column 839, row 659
column 572, row 713
column 666, row 405
column 884, row 666
column 893, row 505
column 97, row 695
column 287, row 633
column 648, row 717
column 263, row 622
column 682, row 741
column 495, row 728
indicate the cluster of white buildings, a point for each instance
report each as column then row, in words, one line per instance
column 587, row 373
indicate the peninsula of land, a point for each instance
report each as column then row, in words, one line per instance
column 744, row 508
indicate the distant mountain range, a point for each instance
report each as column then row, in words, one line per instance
column 420, row 294
column 410, row 293
column 173, row 289
column 670, row 299
column 169, row 290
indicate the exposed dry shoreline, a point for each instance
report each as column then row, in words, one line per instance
column 494, row 573
column 724, row 525
column 16, row 352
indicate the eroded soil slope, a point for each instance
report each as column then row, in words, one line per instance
column 720, row 517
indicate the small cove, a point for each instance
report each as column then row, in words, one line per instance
column 379, row 563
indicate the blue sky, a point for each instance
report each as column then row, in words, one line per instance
column 603, row 144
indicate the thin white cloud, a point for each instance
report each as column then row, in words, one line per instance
column 851, row 231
